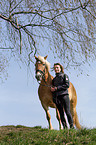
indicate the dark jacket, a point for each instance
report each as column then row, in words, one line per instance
column 61, row 81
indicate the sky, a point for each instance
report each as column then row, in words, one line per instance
column 20, row 104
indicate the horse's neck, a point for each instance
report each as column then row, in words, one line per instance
column 48, row 78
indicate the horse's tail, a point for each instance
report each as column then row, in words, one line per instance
column 77, row 122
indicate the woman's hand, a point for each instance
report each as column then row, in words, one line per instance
column 53, row 89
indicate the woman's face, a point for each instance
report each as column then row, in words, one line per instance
column 57, row 68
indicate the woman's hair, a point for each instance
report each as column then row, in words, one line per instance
column 62, row 69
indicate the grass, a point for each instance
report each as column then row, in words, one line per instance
column 21, row 135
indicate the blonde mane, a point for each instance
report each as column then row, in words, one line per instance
column 43, row 60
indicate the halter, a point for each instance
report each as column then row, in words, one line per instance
column 43, row 76
column 42, row 72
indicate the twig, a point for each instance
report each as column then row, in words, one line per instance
column 20, row 41
column 16, row 6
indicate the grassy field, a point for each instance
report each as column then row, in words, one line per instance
column 21, row 135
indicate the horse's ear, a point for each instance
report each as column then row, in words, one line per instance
column 36, row 57
column 46, row 57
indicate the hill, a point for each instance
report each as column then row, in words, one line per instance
column 21, row 135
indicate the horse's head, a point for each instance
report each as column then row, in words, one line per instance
column 42, row 67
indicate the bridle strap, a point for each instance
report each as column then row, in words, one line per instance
column 43, row 75
column 40, row 71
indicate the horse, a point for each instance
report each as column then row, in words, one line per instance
column 42, row 68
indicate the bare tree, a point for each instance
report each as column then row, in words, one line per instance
column 69, row 27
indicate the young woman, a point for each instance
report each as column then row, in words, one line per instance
column 60, row 94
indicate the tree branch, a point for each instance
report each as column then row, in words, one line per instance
column 9, row 20
column 20, row 41
column 29, row 34
column 41, row 12
column 84, row 7
column 16, row 6
column 85, row 4
column 90, row 13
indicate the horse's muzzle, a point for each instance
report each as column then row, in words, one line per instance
column 38, row 76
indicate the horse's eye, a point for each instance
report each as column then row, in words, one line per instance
column 43, row 64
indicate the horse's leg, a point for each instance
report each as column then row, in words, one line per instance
column 48, row 116
column 58, row 118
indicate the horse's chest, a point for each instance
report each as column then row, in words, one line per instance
column 44, row 94
column 42, row 91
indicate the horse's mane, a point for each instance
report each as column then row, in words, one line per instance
column 41, row 58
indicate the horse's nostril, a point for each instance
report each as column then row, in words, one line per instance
column 38, row 76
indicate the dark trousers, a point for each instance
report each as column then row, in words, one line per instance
column 63, row 103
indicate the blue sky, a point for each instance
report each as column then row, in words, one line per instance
column 20, row 104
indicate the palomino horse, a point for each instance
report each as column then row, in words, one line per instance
column 45, row 95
